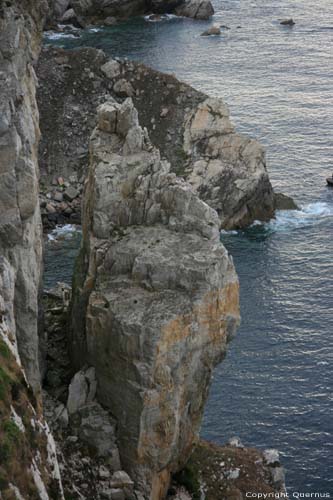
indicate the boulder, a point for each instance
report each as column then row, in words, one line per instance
column 68, row 16
column 214, row 30
column 82, row 390
column 159, row 295
column 228, row 170
column 120, row 479
column 111, row 69
column 196, row 9
column 59, row 7
column 110, row 21
column 97, row 429
column 123, row 88
column 71, row 193
column 271, row 456
column 284, row 202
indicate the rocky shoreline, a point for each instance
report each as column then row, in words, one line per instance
column 153, row 170
column 193, row 133
column 81, row 13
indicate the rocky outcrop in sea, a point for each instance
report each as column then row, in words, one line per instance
column 159, row 295
column 83, row 12
column 192, row 131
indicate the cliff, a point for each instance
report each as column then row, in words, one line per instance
column 160, row 298
column 28, row 461
column 28, row 464
column 20, row 227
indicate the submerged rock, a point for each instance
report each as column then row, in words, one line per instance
column 287, row 22
column 213, row 30
column 159, row 294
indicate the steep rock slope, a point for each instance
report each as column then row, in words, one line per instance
column 28, row 463
column 159, row 294
column 20, row 228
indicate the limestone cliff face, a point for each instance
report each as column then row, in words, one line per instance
column 20, row 228
column 28, row 463
column 160, row 294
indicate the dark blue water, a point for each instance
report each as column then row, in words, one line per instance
column 60, row 250
column 275, row 387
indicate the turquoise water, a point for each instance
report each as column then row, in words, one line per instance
column 275, row 387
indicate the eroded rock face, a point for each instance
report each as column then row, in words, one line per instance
column 20, row 228
column 197, row 9
column 28, row 461
column 227, row 170
column 161, row 297
column 104, row 8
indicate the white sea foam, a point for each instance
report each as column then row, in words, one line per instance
column 307, row 216
column 228, row 231
column 63, row 232
column 52, row 35
column 162, row 17
column 94, row 30
column 287, row 220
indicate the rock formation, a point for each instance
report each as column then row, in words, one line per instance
column 232, row 471
column 160, row 297
column 20, row 227
column 196, row 9
column 227, row 169
column 97, row 10
column 28, row 463
column 192, row 131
